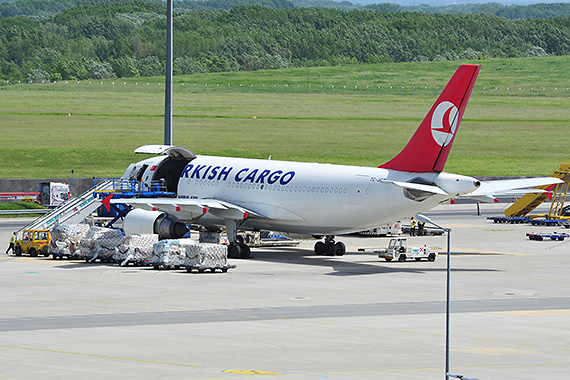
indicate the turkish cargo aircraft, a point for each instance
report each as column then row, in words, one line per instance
column 306, row 198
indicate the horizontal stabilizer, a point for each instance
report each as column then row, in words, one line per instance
column 513, row 186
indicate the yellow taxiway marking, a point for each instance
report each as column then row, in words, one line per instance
column 364, row 327
column 536, row 313
column 212, row 312
column 324, row 323
column 99, row 356
column 259, row 374
column 251, row 372
column 248, row 316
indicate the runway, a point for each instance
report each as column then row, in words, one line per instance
column 288, row 313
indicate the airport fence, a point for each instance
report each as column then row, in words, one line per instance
column 233, row 88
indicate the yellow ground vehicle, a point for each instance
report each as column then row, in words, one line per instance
column 33, row 242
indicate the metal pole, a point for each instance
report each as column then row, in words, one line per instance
column 168, row 87
column 447, row 308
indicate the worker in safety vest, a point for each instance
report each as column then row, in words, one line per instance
column 412, row 227
column 421, row 231
column 12, row 243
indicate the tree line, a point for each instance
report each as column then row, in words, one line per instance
column 38, row 9
column 111, row 38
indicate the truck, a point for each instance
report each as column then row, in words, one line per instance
column 398, row 249
column 33, row 242
column 53, row 194
column 391, row 229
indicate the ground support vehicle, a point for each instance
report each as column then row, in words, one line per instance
column 390, row 229
column 53, row 194
column 399, row 250
column 546, row 222
column 551, row 236
column 565, row 223
column 428, row 231
column 33, row 242
column 509, row 219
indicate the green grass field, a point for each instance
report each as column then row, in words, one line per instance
column 517, row 121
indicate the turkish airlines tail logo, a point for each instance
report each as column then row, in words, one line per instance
column 429, row 147
column 444, row 123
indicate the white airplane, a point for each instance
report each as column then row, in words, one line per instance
column 307, row 198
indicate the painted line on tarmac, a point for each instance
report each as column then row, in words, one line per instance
column 99, row 356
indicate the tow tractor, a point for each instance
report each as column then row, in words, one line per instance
column 33, row 242
column 398, row 249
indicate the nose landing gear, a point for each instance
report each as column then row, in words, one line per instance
column 329, row 247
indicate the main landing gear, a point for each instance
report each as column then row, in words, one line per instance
column 237, row 248
column 329, row 247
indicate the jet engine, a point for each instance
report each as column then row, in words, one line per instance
column 167, row 226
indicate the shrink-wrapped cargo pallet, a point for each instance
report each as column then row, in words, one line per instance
column 170, row 253
column 207, row 256
column 136, row 249
column 65, row 240
column 100, row 243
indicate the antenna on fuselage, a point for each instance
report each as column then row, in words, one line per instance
column 168, row 80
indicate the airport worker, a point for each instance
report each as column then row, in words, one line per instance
column 421, row 228
column 412, row 227
column 12, row 243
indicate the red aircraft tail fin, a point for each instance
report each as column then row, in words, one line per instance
column 429, row 147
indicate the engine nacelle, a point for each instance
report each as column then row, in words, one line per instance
column 154, row 222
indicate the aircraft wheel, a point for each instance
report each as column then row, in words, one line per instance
column 234, row 251
column 402, row 258
column 431, row 257
column 319, row 248
column 330, row 249
column 340, row 248
column 245, row 251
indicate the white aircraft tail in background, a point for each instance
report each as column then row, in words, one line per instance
column 304, row 198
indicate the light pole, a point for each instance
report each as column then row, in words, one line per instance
column 425, row 219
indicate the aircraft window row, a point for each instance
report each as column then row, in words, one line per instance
column 202, row 182
column 277, row 187
column 296, row 189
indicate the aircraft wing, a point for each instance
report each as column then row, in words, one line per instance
column 191, row 208
column 489, row 189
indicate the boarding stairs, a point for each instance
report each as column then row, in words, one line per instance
column 529, row 202
column 77, row 209
column 71, row 212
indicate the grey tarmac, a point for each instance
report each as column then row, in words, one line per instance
column 289, row 313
